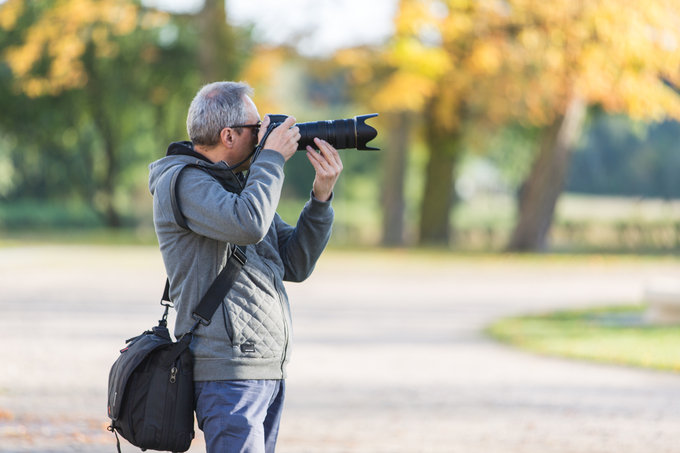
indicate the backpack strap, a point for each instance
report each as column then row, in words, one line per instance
column 226, row 177
column 220, row 287
column 214, row 296
column 174, row 199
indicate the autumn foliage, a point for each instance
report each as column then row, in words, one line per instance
column 524, row 59
column 489, row 63
column 49, row 60
column 450, row 67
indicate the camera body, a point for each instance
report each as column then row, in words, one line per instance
column 341, row 134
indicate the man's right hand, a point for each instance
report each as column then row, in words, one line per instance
column 283, row 139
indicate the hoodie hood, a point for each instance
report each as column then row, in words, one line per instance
column 185, row 149
column 181, row 154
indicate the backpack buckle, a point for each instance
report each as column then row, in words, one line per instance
column 239, row 255
column 199, row 320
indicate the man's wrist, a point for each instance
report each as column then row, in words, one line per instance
column 320, row 199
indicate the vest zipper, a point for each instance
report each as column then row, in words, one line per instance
column 284, row 318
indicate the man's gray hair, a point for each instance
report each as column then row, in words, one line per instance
column 217, row 105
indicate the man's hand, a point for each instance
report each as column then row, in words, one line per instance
column 283, row 139
column 327, row 165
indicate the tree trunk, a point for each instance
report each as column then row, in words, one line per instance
column 212, row 23
column 104, row 123
column 111, row 215
column 540, row 191
column 394, row 164
column 445, row 150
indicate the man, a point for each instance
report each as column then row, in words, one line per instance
column 240, row 357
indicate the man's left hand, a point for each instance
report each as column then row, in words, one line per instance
column 327, row 164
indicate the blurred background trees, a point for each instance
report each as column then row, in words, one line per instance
column 467, row 65
column 94, row 90
column 480, row 102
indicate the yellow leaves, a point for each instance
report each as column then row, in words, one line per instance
column 122, row 16
column 10, row 12
column 456, row 25
column 21, row 59
column 622, row 70
column 412, row 55
column 263, row 67
column 62, row 35
column 154, row 19
column 361, row 63
column 485, row 58
column 66, row 70
column 522, row 60
column 404, row 91
column 411, row 16
column 264, row 63
column 596, row 73
column 458, row 4
column 643, row 96
column 531, row 39
column 447, row 104
column 416, row 70
column 352, row 57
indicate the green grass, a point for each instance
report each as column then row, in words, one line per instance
column 612, row 335
column 37, row 214
column 483, row 224
column 77, row 236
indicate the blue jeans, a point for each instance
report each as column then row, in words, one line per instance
column 239, row 416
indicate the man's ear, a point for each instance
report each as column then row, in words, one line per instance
column 227, row 137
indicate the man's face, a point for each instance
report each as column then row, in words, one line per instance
column 246, row 137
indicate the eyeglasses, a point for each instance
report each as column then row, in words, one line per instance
column 255, row 127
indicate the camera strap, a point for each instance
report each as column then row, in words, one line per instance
column 260, row 145
column 257, row 150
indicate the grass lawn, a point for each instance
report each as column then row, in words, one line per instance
column 613, row 335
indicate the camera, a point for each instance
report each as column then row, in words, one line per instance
column 341, row 134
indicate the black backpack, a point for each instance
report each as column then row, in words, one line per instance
column 151, row 384
column 151, row 392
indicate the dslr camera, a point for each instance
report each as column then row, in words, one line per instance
column 342, row 134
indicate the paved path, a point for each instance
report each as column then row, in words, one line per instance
column 389, row 354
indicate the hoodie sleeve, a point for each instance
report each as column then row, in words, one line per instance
column 300, row 247
column 243, row 218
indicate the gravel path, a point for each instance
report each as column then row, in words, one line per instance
column 389, row 354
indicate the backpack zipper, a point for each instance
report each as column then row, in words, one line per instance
column 169, row 412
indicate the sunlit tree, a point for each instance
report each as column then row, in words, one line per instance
column 482, row 64
column 615, row 54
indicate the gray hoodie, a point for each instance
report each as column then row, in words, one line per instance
column 249, row 337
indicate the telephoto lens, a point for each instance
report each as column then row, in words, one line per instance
column 341, row 134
